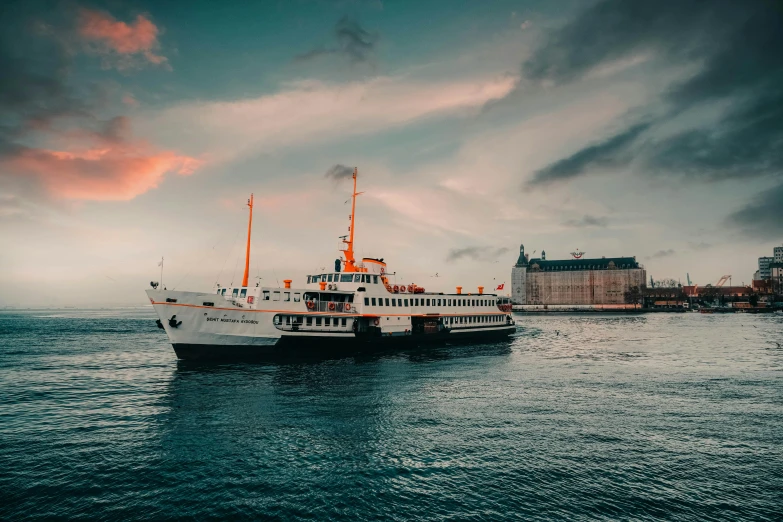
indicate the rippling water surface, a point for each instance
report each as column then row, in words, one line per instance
column 675, row 417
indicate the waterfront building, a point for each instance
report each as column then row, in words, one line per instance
column 764, row 262
column 576, row 281
column 777, row 253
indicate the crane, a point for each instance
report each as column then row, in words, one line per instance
column 688, row 278
column 723, row 280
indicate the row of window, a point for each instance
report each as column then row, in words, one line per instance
column 265, row 295
column 298, row 320
column 475, row 319
column 420, row 301
column 343, row 278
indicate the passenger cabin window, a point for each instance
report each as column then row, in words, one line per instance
column 373, row 301
column 276, row 295
column 375, row 279
column 327, row 321
column 235, row 292
column 357, row 278
column 223, row 292
column 366, row 301
column 406, row 302
column 286, row 296
column 318, row 321
column 387, row 301
column 343, row 321
column 309, row 321
column 297, row 297
column 428, row 302
column 394, row 302
column 329, row 278
column 266, row 295
column 346, row 278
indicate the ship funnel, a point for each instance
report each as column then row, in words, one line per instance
column 287, row 283
column 481, row 290
column 459, row 290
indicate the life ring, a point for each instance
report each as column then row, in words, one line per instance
column 389, row 288
column 331, row 306
column 402, row 288
column 347, row 307
column 376, row 322
column 396, row 289
column 410, row 289
column 310, row 305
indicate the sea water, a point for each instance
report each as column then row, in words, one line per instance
column 665, row 416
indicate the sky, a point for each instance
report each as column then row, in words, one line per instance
column 133, row 130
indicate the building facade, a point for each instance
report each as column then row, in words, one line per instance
column 777, row 254
column 764, row 262
column 603, row 281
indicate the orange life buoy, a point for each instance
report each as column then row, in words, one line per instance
column 389, row 288
column 410, row 289
column 402, row 288
column 331, row 306
column 376, row 322
column 310, row 305
column 347, row 306
column 396, row 289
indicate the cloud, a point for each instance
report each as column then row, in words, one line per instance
column 313, row 111
column 722, row 119
column 475, row 253
column 587, row 221
column 762, row 217
column 338, row 172
column 352, row 42
column 608, row 154
column 53, row 144
column 662, row 253
column 701, row 245
column 118, row 41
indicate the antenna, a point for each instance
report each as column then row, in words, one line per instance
column 247, row 252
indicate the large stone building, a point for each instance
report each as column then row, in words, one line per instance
column 603, row 281
column 764, row 271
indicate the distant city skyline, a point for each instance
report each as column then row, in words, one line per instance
column 135, row 130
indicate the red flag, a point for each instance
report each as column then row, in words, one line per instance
column 500, row 286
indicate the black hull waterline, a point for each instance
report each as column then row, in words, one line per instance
column 295, row 346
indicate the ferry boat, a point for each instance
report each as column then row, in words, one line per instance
column 355, row 306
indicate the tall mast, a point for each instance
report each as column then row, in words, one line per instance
column 350, row 261
column 247, row 253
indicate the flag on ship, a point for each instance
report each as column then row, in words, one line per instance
column 501, row 286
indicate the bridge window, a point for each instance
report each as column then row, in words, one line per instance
column 346, row 278
column 286, row 296
column 329, row 278
column 266, row 295
column 357, row 278
column 276, row 295
column 297, row 297
column 375, row 279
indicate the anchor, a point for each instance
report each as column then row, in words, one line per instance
column 173, row 322
column 160, row 325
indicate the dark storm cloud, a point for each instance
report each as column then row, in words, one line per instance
column 475, row 253
column 338, row 172
column 587, row 221
column 763, row 217
column 738, row 48
column 352, row 41
column 611, row 153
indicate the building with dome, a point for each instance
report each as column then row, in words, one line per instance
column 576, row 281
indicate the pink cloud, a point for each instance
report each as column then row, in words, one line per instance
column 113, row 36
column 93, row 165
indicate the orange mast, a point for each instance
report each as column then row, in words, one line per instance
column 247, row 253
column 350, row 261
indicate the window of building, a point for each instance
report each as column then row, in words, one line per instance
column 309, row 321
column 366, row 301
column 276, row 295
column 387, row 301
column 373, row 301
column 297, row 297
column 266, row 295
